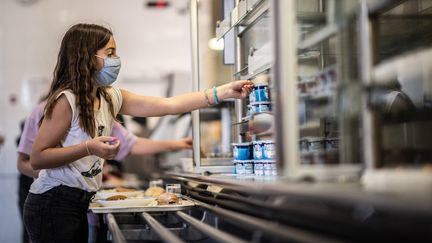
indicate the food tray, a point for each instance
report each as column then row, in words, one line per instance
column 184, row 203
column 103, row 194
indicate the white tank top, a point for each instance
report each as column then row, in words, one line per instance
column 85, row 173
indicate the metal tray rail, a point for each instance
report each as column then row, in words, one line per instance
column 164, row 233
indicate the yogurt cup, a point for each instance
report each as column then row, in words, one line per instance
column 238, row 167
column 269, row 167
column 317, row 144
column 258, row 168
column 258, row 107
column 332, row 144
column 268, row 150
column 248, row 167
column 257, row 150
column 260, row 93
column 242, row 151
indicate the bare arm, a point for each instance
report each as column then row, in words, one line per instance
column 24, row 166
column 145, row 146
column 145, row 106
column 45, row 153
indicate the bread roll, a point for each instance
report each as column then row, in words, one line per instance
column 154, row 191
column 167, row 198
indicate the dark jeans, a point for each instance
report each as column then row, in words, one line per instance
column 58, row 215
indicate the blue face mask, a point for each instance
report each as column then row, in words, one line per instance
column 108, row 74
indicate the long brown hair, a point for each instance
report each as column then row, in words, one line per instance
column 75, row 69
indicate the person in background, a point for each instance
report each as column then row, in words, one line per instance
column 2, row 140
column 130, row 144
column 74, row 136
column 24, row 183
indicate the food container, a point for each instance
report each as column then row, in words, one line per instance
column 242, row 151
column 257, row 107
column 260, row 93
column 257, row 150
column 268, row 150
column 258, row 168
column 238, row 167
column 248, row 167
column 332, row 144
column 304, row 145
column 269, row 167
column 317, row 144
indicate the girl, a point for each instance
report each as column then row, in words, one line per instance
column 73, row 139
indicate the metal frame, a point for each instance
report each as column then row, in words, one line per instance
column 164, row 233
column 195, row 80
column 214, row 233
column 285, row 53
column 117, row 235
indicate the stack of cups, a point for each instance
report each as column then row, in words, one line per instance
column 259, row 99
column 243, row 163
column 264, row 158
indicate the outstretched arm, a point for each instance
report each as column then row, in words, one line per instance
column 145, row 106
column 145, row 146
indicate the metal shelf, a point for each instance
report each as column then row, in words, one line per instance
column 252, row 15
column 318, row 36
column 380, row 6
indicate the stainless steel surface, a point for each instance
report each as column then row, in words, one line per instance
column 370, row 142
column 164, row 234
column 195, row 80
column 287, row 233
column 285, row 78
column 318, row 36
column 117, row 235
column 214, row 233
column 347, row 193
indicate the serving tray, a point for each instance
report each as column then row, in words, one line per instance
column 183, row 204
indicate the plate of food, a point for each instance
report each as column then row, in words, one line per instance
column 127, row 192
column 118, row 201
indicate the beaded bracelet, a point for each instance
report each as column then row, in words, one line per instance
column 216, row 99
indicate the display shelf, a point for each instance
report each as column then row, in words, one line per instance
column 318, row 36
column 252, row 14
column 259, row 71
column 380, row 6
column 317, row 97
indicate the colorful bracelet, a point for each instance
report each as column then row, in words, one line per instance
column 216, row 98
column 207, row 98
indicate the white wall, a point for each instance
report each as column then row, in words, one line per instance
column 150, row 43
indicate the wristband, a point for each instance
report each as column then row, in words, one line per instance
column 207, row 98
column 216, row 99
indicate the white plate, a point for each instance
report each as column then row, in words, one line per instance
column 104, row 194
column 128, row 202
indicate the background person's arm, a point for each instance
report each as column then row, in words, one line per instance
column 145, row 146
column 24, row 166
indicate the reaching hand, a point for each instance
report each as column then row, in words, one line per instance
column 239, row 89
column 184, row 143
column 104, row 147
